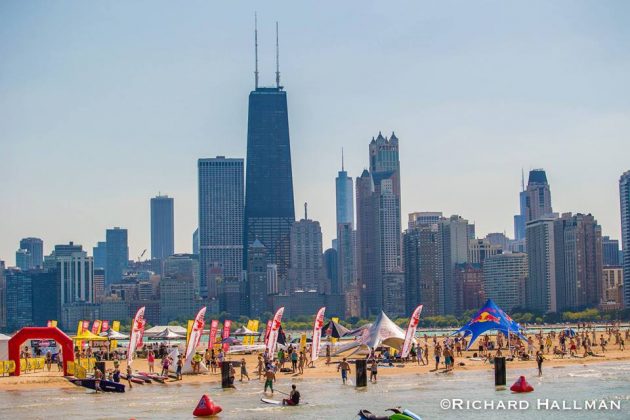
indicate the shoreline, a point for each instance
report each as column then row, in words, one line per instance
column 54, row 379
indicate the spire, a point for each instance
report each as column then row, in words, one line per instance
column 277, row 59
column 305, row 211
column 256, row 49
column 342, row 159
column 522, row 180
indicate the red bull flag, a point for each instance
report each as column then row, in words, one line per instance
column 411, row 331
column 267, row 330
column 273, row 333
column 214, row 326
column 195, row 334
column 137, row 330
column 490, row 317
column 105, row 326
column 317, row 333
column 227, row 324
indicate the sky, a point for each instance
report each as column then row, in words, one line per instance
column 103, row 105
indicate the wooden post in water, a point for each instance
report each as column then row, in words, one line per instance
column 361, row 373
column 226, row 382
column 499, row 371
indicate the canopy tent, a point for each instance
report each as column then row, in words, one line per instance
column 4, row 347
column 245, row 332
column 168, row 334
column 569, row 332
column 490, row 317
column 88, row 336
column 231, row 341
column 334, row 329
column 114, row 335
column 151, row 332
column 382, row 332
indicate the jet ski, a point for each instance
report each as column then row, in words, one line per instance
column 399, row 414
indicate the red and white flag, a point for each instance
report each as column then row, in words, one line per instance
column 105, row 326
column 267, row 330
column 227, row 324
column 273, row 333
column 137, row 330
column 411, row 331
column 196, row 332
column 317, row 333
column 214, row 326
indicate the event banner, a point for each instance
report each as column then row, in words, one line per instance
column 114, row 343
column 137, row 328
column 227, row 324
column 411, row 331
column 273, row 334
column 141, row 334
column 96, row 327
column 195, row 333
column 104, row 326
column 317, row 333
column 214, row 326
column 267, row 332
column 189, row 328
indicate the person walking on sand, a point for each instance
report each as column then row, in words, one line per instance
column 373, row 371
column 327, row 354
column 301, row 363
column 98, row 375
column 437, row 351
column 180, row 364
column 270, row 378
column 151, row 361
column 260, row 367
column 129, row 374
column 345, row 369
column 539, row 361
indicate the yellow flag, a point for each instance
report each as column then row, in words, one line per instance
column 255, row 329
column 53, row 323
column 79, row 331
column 189, row 330
column 114, row 343
column 303, row 342
column 332, row 339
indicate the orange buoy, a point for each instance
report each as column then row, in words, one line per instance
column 521, row 385
column 206, row 408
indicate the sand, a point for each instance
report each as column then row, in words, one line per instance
column 54, row 379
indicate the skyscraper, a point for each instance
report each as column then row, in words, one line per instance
column 3, row 298
column 269, row 207
column 521, row 217
column 117, row 255
column 578, row 247
column 100, row 255
column 455, row 236
column 344, row 196
column 35, row 247
column 162, row 227
column 538, row 196
column 369, row 269
column 345, row 258
column 504, row 277
column 220, row 220
column 257, row 279
column 306, row 272
column 76, row 274
column 19, row 300
column 610, row 249
column 331, row 265
column 541, row 261
column 624, row 198
column 23, row 259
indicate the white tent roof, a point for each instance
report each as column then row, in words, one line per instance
column 244, row 332
column 160, row 328
column 382, row 332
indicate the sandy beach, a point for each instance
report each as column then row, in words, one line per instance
column 54, row 379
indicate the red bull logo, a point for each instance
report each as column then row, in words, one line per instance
column 485, row 316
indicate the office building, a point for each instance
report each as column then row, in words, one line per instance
column 19, row 300
column 468, row 285
column 76, row 278
column 424, row 218
column 307, row 270
column 46, row 289
column 331, row 265
column 23, row 259
column 195, row 242
column 345, row 258
column 504, row 279
column 35, row 247
column 521, row 218
column 99, row 252
column 610, row 251
column 178, row 300
column 624, row 198
column 117, row 252
column 183, row 266
column 257, row 279
column 480, row 249
column 612, row 288
column 220, row 220
column 162, row 227
column 541, row 284
column 538, row 196
column 455, row 237
column 99, row 284
column 3, row 298
column 578, row 246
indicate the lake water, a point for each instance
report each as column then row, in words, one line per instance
column 329, row 399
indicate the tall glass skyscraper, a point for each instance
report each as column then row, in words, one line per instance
column 538, row 196
column 117, row 254
column 35, row 247
column 162, row 227
column 624, row 198
column 344, row 197
column 220, row 221
column 269, row 207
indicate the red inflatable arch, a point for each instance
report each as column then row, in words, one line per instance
column 34, row 333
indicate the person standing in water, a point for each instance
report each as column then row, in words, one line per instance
column 244, row 370
column 344, row 367
column 373, row 371
column 129, row 373
column 270, row 378
column 539, row 361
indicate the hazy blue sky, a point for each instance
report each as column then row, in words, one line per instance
column 105, row 104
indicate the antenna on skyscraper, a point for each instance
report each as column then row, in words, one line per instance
column 277, row 59
column 305, row 211
column 342, row 159
column 256, row 49
column 522, row 180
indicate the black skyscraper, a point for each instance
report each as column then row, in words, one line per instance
column 269, row 211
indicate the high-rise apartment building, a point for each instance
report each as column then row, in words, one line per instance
column 424, row 218
column 162, row 227
column 35, row 247
column 538, row 196
column 99, row 252
column 541, row 283
column 612, row 287
column 624, row 198
column 221, row 196
column 76, row 278
column 480, row 249
column 610, row 250
column 306, row 272
column 345, row 258
column 455, row 237
column 504, row 279
column 117, row 252
column 369, row 269
column 578, row 247
column 19, row 300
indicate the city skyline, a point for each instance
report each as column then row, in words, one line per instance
column 473, row 152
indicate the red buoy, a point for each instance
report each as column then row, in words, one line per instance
column 521, row 385
column 206, row 408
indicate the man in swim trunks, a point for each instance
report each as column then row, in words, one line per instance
column 345, row 369
column 294, row 397
column 270, row 378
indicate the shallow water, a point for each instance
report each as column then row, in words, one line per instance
column 328, row 398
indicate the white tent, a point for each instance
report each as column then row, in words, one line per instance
column 4, row 347
column 382, row 332
column 153, row 331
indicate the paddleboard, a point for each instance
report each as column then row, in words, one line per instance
column 270, row 401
